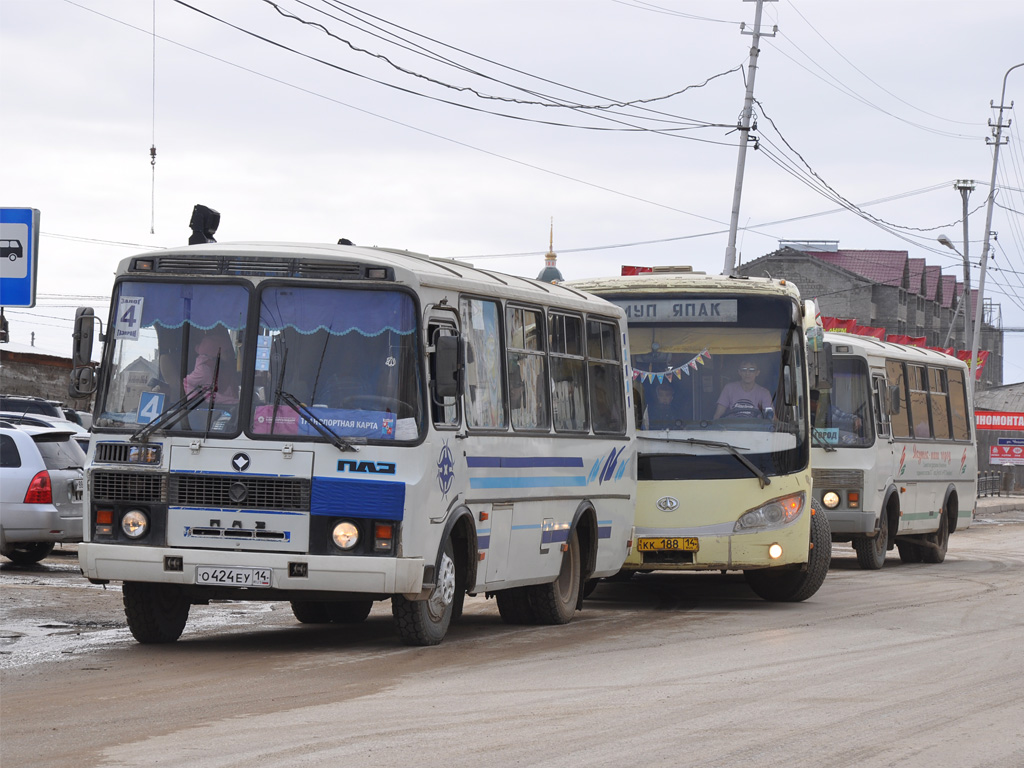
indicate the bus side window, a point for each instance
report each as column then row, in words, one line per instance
column 568, row 375
column 880, row 406
column 958, row 405
column 918, row 386
column 484, row 386
column 939, row 401
column 899, row 409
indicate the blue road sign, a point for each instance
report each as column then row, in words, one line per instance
column 19, row 246
column 1010, row 441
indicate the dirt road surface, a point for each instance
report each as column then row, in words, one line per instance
column 913, row 665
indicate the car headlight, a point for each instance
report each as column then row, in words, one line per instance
column 775, row 514
column 135, row 524
column 345, row 535
column 830, row 499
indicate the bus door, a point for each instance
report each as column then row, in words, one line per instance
column 885, row 466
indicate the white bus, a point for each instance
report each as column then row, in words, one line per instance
column 895, row 455
column 334, row 425
column 721, row 391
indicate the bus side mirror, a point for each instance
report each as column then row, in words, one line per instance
column 447, row 365
column 83, row 382
column 821, row 367
column 788, row 385
column 81, row 345
column 894, row 399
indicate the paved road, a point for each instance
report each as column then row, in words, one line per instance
column 913, row 665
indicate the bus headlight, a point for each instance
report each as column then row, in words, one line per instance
column 135, row 524
column 345, row 535
column 775, row 514
column 830, row 499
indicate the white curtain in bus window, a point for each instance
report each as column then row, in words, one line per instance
column 940, row 402
column 918, row 387
column 568, row 376
column 899, row 419
column 485, row 402
column 958, row 405
column 607, row 404
column 526, row 373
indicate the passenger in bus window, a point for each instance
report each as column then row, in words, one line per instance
column 840, row 419
column 664, row 412
column 745, row 397
column 215, row 367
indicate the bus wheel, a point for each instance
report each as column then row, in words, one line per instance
column 871, row 552
column 156, row 613
column 794, row 586
column 514, row 606
column 426, row 622
column 909, row 553
column 938, row 542
column 589, row 586
column 555, row 603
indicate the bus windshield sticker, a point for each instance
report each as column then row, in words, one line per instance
column 680, row 310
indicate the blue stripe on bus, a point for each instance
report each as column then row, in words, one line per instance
column 521, row 462
column 528, row 482
column 379, row 499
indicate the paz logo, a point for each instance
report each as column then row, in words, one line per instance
column 445, row 469
column 903, row 461
column 963, row 463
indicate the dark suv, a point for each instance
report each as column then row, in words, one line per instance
column 26, row 404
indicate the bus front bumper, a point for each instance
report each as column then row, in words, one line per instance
column 289, row 572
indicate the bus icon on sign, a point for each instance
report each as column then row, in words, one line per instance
column 11, row 249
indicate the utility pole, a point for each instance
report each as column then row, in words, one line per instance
column 965, row 188
column 988, row 223
column 744, row 129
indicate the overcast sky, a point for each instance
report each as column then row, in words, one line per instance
column 455, row 128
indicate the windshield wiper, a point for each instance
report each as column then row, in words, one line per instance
column 820, row 441
column 329, row 434
column 761, row 476
column 174, row 414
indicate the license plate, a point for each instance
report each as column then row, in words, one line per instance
column 76, row 489
column 232, row 577
column 682, row 544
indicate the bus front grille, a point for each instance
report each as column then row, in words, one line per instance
column 837, row 478
column 140, row 487
column 274, row 493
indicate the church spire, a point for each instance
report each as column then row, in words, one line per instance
column 550, row 273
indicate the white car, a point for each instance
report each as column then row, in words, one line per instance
column 41, row 475
column 37, row 420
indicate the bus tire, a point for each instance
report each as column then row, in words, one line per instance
column 26, row 552
column 909, row 552
column 514, row 606
column 794, row 586
column 156, row 613
column 426, row 622
column 871, row 551
column 555, row 603
column 589, row 586
column 939, row 540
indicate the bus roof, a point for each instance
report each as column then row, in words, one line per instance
column 418, row 269
column 869, row 345
column 667, row 282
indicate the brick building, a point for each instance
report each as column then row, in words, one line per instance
column 886, row 289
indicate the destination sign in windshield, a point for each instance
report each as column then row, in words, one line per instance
column 680, row 310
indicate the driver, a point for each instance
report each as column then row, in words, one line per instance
column 746, row 395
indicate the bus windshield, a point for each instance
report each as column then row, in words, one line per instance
column 164, row 333
column 348, row 356
column 709, row 369
column 842, row 415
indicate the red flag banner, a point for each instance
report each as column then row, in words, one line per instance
column 838, row 324
column 965, row 355
column 870, row 330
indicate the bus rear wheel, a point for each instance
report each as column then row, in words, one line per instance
column 794, row 586
column 938, row 542
column 909, row 552
column 514, row 606
column 426, row 622
column 156, row 613
column 871, row 552
column 555, row 603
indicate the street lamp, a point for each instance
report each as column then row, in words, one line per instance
column 988, row 226
column 966, row 307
